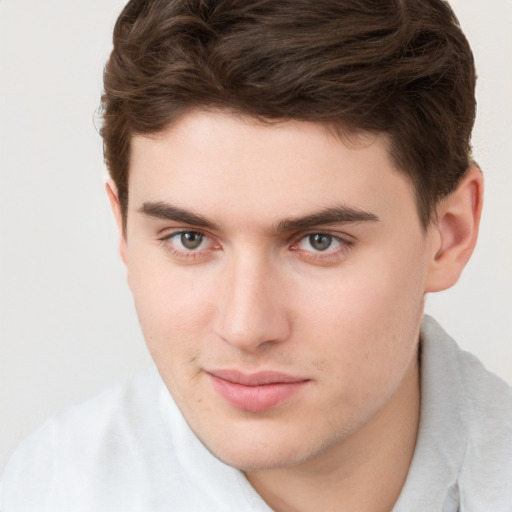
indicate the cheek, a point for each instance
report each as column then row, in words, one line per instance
column 174, row 314
column 366, row 320
column 173, row 305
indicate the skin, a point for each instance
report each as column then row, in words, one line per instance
column 254, row 297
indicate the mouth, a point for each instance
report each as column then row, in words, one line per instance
column 256, row 392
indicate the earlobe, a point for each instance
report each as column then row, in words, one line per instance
column 455, row 231
column 113, row 198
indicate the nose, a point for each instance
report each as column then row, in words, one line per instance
column 252, row 311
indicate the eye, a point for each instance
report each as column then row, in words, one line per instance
column 189, row 246
column 319, row 242
column 323, row 248
column 187, row 241
column 190, row 240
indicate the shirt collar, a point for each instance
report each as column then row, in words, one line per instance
column 431, row 482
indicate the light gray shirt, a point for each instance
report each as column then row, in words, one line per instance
column 130, row 450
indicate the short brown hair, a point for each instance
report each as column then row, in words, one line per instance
column 398, row 67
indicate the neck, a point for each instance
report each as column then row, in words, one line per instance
column 365, row 472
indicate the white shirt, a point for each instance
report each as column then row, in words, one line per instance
column 130, row 450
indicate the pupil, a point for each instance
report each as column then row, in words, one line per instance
column 191, row 240
column 320, row 242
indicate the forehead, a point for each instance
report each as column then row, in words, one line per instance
column 225, row 164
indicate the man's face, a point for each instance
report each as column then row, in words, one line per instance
column 279, row 276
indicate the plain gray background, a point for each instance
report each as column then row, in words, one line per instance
column 67, row 325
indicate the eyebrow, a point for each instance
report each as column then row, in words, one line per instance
column 334, row 215
column 166, row 211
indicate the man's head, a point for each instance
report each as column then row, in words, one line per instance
column 290, row 179
column 401, row 68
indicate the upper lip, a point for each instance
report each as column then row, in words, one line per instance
column 255, row 379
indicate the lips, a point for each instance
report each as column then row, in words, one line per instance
column 255, row 392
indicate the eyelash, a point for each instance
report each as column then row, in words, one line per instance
column 189, row 255
column 327, row 256
column 345, row 245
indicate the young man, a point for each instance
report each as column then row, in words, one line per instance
column 289, row 180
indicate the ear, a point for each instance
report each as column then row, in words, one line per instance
column 455, row 231
column 116, row 210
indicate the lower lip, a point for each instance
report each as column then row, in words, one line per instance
column 255, row 398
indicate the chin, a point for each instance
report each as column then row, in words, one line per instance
column 255, row 460
column 257, row 453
